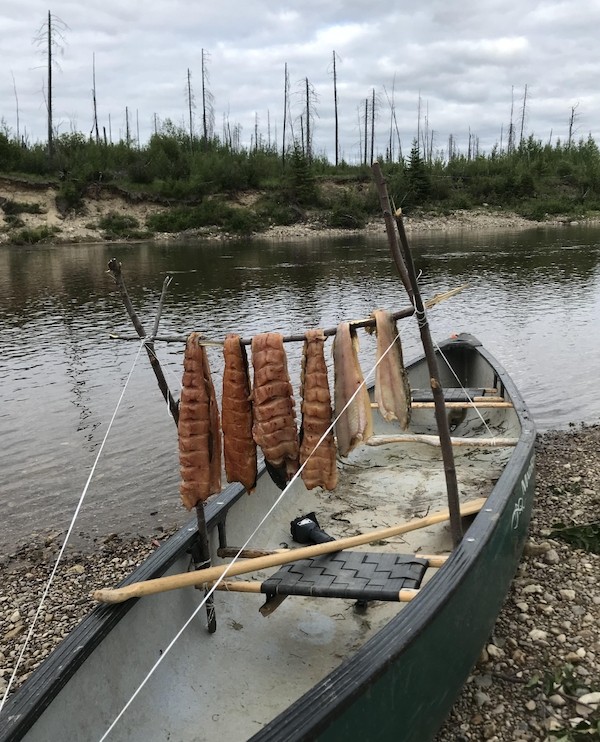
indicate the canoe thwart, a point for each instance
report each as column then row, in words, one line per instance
column 354, row 575
column 274, row 601
column 452, row 394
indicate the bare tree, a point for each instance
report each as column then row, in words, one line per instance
column 523, row 116
column 511, row 126
column 127, row 134
column 50, row 39
column 286, row 95
column 335, row 107
column 191, row 105
column 572, row 119
column 366, row 132
column 17, row 105
column 393, row 121
column 310, row 98
column 372, row 125
column 95, row 122
column 208, row 115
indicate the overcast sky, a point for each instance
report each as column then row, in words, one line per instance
column 462, row 58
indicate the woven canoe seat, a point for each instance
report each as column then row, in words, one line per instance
column 451, row 394
column 358, row 575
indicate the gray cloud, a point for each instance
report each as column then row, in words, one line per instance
column 462, row 59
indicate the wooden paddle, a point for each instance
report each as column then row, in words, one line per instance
column 187, row 579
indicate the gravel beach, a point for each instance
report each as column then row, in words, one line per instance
column 537, row 679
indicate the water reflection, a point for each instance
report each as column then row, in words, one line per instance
column 534, row 301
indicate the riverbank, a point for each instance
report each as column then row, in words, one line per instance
column 539, row 676
column 96, row 221
column 539, row 673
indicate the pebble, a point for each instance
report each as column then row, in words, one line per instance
column 550, row 622
column 537, row 635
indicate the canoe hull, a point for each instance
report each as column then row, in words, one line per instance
column 399, row 685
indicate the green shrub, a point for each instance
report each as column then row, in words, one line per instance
column 19, row 207
column 118, row 226
column 210, row 213
column 69, row 197
column 32, row 236
column 115, row 222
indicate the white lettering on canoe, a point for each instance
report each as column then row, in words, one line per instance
column 520, row 503
column 516, row 516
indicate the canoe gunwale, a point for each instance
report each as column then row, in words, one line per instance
column 312, row 713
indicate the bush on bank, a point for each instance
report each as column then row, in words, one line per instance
column 535, row 179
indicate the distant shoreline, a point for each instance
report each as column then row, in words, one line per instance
column 53, row 228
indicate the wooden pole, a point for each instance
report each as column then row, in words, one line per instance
column 404, row 263
column 202, row 553
column 300, row 337
column 187, row 579
column 435, row 560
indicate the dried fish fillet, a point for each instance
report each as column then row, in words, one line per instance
column 199, row 428
column 239, row 447
column 355, row 423
column 392, row 389
column 320, row 469
column 273, row 407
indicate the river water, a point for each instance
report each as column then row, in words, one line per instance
column 533, row 300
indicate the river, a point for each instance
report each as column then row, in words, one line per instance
column 533, row 300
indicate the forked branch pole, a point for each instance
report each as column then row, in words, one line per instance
column 114, row 268
column 203, row 551
column 402, row 256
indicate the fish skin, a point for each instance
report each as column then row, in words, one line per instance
column 320, row 468
column 273, row 406
column 199, row 429
column 355, row 424
column 392, row 388
column 236, row 410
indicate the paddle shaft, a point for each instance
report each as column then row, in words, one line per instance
column 187, row 579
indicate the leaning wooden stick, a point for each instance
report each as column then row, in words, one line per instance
column 187, row 579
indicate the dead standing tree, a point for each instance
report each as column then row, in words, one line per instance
column 335, row 106
column 309, row 115
column 208, row 113
column 191, row 104
column 50, row 39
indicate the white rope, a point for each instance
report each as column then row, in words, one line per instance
column 69, row 531
column 223, row 575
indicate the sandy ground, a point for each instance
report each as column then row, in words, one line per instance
column 84, row 226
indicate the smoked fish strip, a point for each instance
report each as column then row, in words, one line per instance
column 273, row 406
column 355, row 424
column 392, row 388
column 320, row 468
column 199, row 429
column 239, row 447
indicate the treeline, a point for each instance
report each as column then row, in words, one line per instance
column 198, row 179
